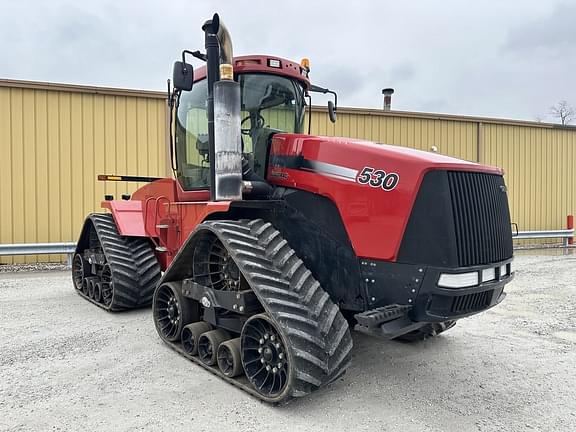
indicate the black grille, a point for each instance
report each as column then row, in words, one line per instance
column 481, row 217
column 471, row 302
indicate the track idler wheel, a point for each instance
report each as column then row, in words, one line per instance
column 171, row 311
column 265, row 356
column 208, row 345
column 190, row 335
column 80, row 269
column 229, row 358
column 107, row 287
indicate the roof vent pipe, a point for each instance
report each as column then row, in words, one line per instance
column 387, row 92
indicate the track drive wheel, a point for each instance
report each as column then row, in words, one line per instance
column 190, row 335
column 266, row 357
column 229, row 358
column 428, row 331
column 172, row 311
column 208, row 345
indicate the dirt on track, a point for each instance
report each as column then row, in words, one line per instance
column 68, row 365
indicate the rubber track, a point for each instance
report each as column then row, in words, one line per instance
column 134, row 267
column 312, row 325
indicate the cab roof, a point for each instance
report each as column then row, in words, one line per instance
column 264, row 64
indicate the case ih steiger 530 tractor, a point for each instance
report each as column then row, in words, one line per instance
column 269, row 244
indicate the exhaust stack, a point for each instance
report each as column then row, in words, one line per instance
column 223, row 114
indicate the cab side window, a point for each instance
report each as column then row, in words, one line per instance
column 193, row 167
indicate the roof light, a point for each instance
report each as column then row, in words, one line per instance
column 305, row 63
column 245, row 62
column 275, row 63
column 460, row 280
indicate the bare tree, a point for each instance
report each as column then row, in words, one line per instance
column 564, row 112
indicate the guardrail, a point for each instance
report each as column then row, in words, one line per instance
column 566, row 234
column 66, row 248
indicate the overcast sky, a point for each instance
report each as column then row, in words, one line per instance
column 492, row 57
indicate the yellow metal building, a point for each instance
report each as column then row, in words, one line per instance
column 55, row 139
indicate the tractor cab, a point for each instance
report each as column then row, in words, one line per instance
column 270, row 103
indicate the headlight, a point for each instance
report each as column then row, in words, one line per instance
column 459, row 280
column 489, row 274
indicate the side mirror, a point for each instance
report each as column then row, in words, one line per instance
column 183, row 76
column 332, row 111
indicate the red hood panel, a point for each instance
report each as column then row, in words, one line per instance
column 373, row 185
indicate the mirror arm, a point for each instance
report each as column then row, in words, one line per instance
column 170, row 120
column 199, row 55
column 318, row 89
column 309, row 112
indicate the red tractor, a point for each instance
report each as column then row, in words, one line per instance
column 269, row 243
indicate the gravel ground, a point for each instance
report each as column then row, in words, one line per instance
column 67, row 365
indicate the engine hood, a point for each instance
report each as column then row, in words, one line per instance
column 373, row 185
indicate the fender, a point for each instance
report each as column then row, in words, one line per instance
column 128, row 217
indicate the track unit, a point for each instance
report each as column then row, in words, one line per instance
column 272, row 315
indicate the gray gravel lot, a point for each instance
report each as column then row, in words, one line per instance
column 67, row 365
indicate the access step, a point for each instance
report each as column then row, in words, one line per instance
column 376, row 317
column 386, row 322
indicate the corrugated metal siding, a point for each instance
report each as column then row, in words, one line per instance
column 539, row 165
column 53, row 143
column 452, row 137
column 539, row 160
column 55, row 139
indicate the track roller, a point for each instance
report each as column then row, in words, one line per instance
column 91, row 284
column 229, row 358
column 190, row 335
column 208, row 345
column 97, row 291
column 86, row 285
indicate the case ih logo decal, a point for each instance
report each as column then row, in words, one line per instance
column 378, row 178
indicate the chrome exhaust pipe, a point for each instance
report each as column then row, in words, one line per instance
column 226, row 51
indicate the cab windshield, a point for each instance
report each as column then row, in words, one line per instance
column 270, row 104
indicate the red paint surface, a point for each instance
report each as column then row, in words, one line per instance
column 375, row 219
column 164, row 212
column 259, row 64
column 128, row 217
